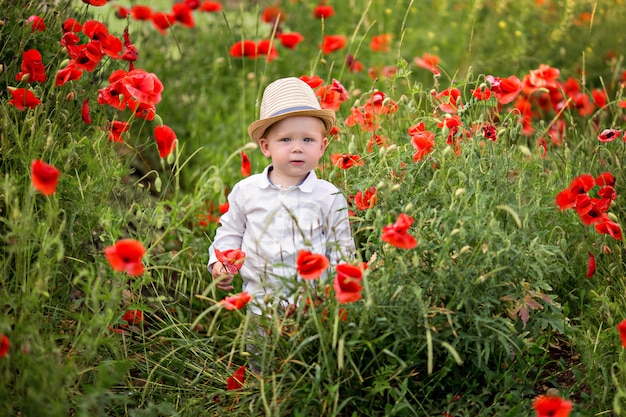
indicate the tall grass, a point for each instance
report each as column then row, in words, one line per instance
column 491, row 309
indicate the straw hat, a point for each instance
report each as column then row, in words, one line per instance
column 288, row 97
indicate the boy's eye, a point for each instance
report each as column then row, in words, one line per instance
column 285, row 139
column 308, row 140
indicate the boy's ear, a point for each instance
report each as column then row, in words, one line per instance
column 264, row 147
column 324, row 144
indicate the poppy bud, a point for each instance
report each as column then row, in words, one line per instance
column 157, row 184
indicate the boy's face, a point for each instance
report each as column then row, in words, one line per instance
column 295, row 145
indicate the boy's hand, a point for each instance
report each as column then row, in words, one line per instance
column 222, row 276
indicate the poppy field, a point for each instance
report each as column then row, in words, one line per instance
column 480, row 146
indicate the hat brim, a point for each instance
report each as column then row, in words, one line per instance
column 257, row 129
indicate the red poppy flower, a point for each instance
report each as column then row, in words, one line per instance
column 44, row 177
column 98, row 31
column 608, row 227
column 428, row 62
column 490, row 132
column 37, row 24
column 116, row 129
column 145, row 87
column 140, row 12
column 332, row 43
column 589, row 209
column 162, row 21
column 166, row 140
column 505, row 89
column 609, row 135
column 481, row 93
column 245, row 48
column 22, row 98
column 245, row 165
column 130, row 53
column 580, row 185
column 115, row 94
column 331, row 96
column 133, row 316
column 33, row 70
column 266, row 48
column 607, row 193
column 85, row 112
column 591, row 265
column 69, row 73
column 236, row 381
column 396, row 234
column 600, row 97
column 142, row 110
column 551, row 406
column 345, row 161
column 290, row 40
column 232, row 259
column 272, row 13
column 122, row 12
column 423, row 142
column 377, row 140
column 210, row 6
column 236, row 302
column 380, row 43
column 449, row 100
column 4, row 345
column 71, row 25
column 606, row 178
column 347, row 283
column 354, row 65
column 86, row 56
column 95, row 2
column 621, row 327
column 322, row 11
column 313, row 81
column 69, row 39
column 366, row 200
column 311, row 265
column 125, row 256
column 543, row 77
column 183, row 14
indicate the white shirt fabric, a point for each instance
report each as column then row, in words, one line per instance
column 271, row 224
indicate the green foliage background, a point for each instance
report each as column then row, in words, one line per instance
column 442, row 328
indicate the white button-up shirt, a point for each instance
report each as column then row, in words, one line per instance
column 271, row 224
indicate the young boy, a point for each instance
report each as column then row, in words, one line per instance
column 286, row 208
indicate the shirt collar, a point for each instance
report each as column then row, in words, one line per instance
column 306, row 186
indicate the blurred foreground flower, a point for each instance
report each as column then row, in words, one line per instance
column 347, row 284
column 236, row 381
column 245, row 165
column 4, row 345
column 622, row 332
column 125, row 256
column 166, row 140
column 133, row 316
column 236, row 302
column 551, row 406
column 311, row 265
column 396, row 234
column 23, row 98
column 232, row 259
column 44, row 177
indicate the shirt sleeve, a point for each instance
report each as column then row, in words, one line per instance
column 229, row 234
column 340, row 244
